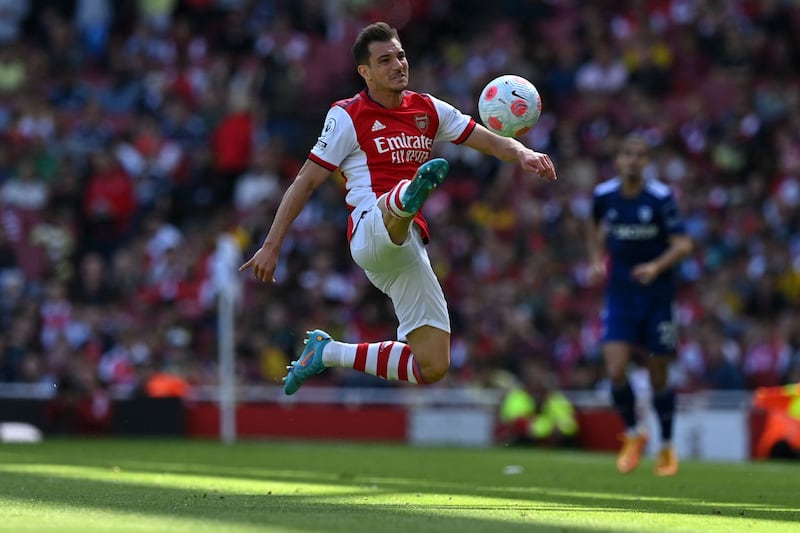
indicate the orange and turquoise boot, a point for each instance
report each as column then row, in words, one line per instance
column 309, row 363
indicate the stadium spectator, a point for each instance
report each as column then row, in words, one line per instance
column 93, row 20
column 260, row 183
column 81, row 405
column 231, row 143
column 535, row 411
column 13, row 15
column 604, row 73
column 25, row 190
column 92, row 284
column 109, row 204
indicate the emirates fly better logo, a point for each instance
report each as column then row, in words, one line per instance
column 405, row 148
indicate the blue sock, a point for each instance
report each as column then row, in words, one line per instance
column 624, row 403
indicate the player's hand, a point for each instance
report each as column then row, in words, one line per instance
column 646, row 273
column 540, row 164
column 597, row 271
column 263, row 263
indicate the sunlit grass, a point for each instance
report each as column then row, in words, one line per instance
column 183, row 486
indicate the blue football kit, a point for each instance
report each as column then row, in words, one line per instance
column 638, row 230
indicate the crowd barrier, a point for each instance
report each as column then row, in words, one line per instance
column 711, row 425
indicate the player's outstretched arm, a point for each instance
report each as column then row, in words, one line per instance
column 509, row 149
column 265, row 260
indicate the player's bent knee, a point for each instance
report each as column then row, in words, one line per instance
column 434, row 371
column 431, row 349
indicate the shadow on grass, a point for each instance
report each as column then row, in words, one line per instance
column 367, row 473
column 618, row 498
column 295, row 512
column 345, row 510
column 574, row 478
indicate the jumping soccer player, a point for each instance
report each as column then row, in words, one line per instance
column 637, row 222
column 381, row 140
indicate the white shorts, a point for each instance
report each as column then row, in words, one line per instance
column 403, row 272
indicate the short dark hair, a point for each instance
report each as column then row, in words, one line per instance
column 634, row 138
column 378, row 32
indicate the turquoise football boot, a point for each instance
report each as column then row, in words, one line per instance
column 429, row 176
column 309, row 363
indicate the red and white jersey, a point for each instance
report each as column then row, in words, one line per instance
column 374, row 147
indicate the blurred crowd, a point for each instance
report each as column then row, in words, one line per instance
column 140, row 136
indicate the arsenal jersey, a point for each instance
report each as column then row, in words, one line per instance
column 374, row 147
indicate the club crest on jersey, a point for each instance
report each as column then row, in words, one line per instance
column 422, row 122
column 645, row 213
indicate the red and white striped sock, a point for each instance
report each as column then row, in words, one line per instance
column 391, row 360
column 394, row 202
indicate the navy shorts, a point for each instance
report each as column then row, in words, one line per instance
column 642, row 322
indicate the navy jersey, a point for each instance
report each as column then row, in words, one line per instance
column 638, row 230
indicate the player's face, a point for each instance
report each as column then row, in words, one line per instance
column 388, row 67
column 632, row 159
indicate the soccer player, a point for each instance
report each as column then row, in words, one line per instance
column 636, row 221
column 381, row 140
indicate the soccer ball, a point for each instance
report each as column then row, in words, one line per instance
column 509, row 105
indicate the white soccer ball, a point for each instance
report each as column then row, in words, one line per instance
column 509, row 105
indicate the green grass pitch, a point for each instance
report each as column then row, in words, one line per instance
column 197, row 486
